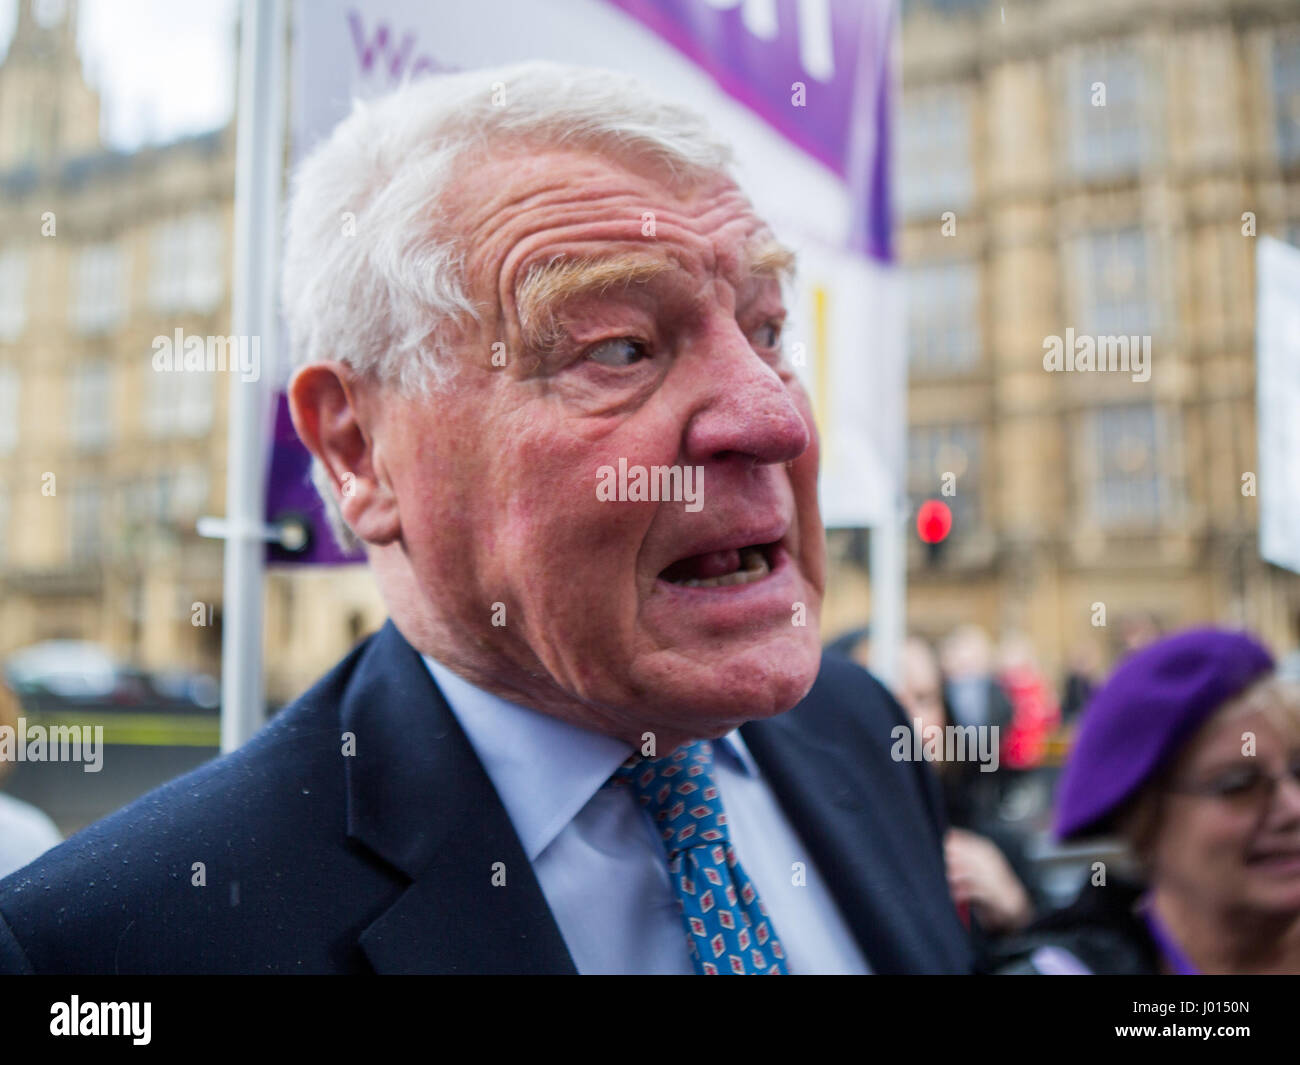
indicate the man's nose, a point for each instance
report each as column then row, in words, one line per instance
column 746, row 410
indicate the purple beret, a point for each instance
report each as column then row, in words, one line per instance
column 1152, row 704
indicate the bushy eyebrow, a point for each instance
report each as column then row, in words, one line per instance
column 768, row 257
column 547, row 286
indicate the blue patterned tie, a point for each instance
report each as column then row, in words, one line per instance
column 727, row 926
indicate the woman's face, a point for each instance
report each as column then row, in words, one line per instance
column 1229, row 835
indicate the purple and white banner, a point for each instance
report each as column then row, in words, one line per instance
column 801, row 89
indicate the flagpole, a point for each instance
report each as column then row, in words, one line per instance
column 259, row 164
column 888, row 543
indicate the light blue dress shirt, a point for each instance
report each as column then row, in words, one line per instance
column 597, row 859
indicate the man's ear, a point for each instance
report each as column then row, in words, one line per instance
column 324, row 404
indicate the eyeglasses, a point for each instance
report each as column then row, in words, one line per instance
column 1246, row 784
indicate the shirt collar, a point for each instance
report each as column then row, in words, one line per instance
column 545, row 770
column 736, row 753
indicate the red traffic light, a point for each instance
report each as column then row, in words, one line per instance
column 933, row 521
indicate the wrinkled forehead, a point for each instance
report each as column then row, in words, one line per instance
column 488, row 178
column 517, row 209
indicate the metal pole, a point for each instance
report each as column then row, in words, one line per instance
column 258, row 172
column 888, row 596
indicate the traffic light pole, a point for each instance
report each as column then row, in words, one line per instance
column 888, row 564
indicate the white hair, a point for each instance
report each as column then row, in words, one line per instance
column 369, row 279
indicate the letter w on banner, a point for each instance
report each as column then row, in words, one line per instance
column 801, row 89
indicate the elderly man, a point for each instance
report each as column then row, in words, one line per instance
column 543, row 382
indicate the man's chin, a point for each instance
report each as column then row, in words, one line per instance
column 723, row 690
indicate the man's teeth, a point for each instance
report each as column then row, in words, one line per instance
column 753, row 567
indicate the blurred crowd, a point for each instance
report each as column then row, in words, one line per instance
column 1173, row 784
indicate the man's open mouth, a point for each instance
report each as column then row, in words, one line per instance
column 722, row 569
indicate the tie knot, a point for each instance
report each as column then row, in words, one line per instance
column 679, row 794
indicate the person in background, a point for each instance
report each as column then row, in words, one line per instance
column 1034, row 712
column 989, row 874
column 25, row 832
column 971, row 689
column 1190, row 753
column 1083, row 667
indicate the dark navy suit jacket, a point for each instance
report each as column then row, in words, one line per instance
column 316, row 861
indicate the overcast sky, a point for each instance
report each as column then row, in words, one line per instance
column 164, row 68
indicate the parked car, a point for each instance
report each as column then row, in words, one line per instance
column 71, row 674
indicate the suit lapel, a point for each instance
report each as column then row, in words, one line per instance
column 419, row 798
column 878, row 867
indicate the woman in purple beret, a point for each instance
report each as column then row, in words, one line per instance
column 1190, row 754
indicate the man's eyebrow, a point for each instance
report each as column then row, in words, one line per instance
column 547, row 285
column 768, row 257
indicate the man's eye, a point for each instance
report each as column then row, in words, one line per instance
column 619, row 352
column 767, row 335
